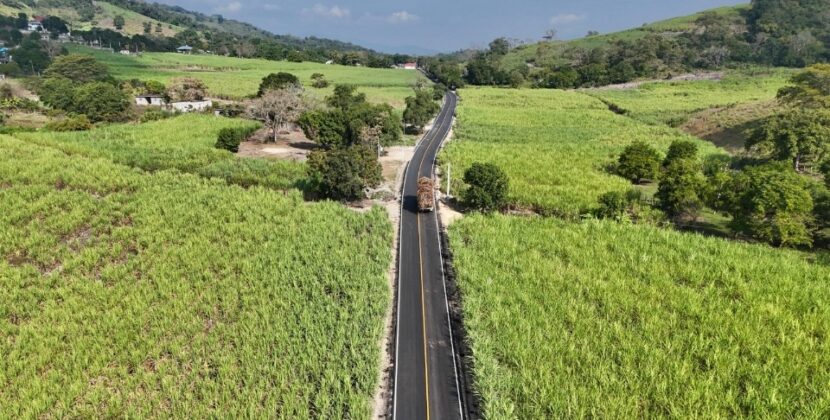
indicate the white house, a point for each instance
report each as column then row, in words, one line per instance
column 185, row 49
column 149, row 100
column 35, row 26
column 410, row 66
column 194, row 106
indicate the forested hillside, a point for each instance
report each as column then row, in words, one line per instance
column 768, row 32
column 142, row 26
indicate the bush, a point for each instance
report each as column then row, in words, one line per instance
column 76, row 123
column 155, row 115
column 100, row 102
column 680, row 149
column 344, row 173
column 230, row 138
column 613, row 205
column 639, row 161
column 276, row 81
column 318, row 81
column 487, row 187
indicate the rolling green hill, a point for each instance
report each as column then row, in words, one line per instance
column 552, row 51
column 86, row 14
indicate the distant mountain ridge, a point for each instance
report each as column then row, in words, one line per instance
column 86, row 14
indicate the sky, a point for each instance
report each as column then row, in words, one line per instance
column 429, row 26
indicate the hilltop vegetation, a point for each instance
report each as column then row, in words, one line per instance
column 769, row 32
column 166, row 295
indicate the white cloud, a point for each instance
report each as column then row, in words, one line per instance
column 335, row 12
column 402, row 17
column 565, row 18
column 231, row 7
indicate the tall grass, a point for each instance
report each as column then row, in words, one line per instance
column 185, row 143
column 673, row 103
column 237, row 78
column 554, row 145
column 129, row 294
column 605, row 320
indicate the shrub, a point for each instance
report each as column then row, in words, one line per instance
column 680, row 149
column 186, row 89
column 613, row 205
column 6, row 91
column 344, row 173
column 155, row 115
column 487, row 187
column 76, row 123
column 639, row 161
column 230, row 138
column 277, row 81
column 318, row 81
column 100, row 102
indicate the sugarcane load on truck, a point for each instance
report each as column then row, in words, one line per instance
column 426, row 194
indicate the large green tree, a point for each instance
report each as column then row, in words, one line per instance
column 810, row 88
column 420, row 109
column 101, row 102
column 344, row 173
column 772, row 204
column 487, row 187
column 79, row 68
column 682, row 187
column 638, row 161
column 798, row 136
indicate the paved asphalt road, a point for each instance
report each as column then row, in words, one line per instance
column 426, row 382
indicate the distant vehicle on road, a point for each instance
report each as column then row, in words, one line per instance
column 426, row 194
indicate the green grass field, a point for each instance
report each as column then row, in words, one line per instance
column 674, row 102
column 132, row 294
column 237, row 78
column 554, row 145
column 605, row 320
column 185, row 143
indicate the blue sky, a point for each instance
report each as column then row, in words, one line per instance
column 444, row 25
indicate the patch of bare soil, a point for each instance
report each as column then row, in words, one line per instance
column 690, row 77
column 728, row 127
column 291, row 144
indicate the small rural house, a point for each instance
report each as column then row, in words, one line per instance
column 185, row 49
column 194, row 106
column 410, row 66
column 125, row 52
column 35, row 26
column 149, row 100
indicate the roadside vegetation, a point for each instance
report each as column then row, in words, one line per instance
column 167, row 295
column 601, row 319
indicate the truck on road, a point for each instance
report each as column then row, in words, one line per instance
column 426, row 194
